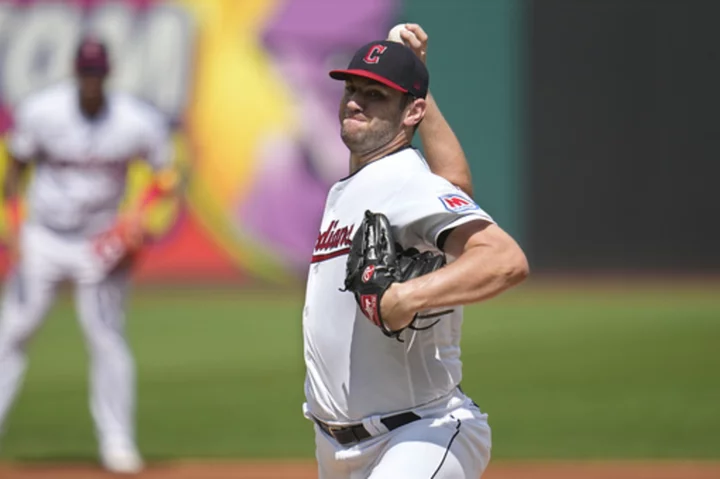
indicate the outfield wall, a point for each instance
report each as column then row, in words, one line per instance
column 245, row 86
column 590, row 126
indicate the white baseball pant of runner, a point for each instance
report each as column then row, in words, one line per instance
column 447, row 443
column 46, row 259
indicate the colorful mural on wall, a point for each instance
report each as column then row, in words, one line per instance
column 245, row 85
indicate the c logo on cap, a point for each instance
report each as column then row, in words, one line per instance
column 373, row 55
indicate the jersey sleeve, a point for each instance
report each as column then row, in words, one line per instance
column 427, row 206
column 157, row 146
column 23, row 143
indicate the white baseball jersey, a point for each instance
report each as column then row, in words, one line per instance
column 79, row 180
column 81, row 164
column 353, row 370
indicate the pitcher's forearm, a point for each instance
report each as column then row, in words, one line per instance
column 479, row 276
column 442, row 148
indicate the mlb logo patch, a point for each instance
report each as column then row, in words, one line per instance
column 458, row 203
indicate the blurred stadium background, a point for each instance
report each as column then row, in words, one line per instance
column 592, row 131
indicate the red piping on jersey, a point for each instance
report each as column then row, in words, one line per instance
column 317, row 258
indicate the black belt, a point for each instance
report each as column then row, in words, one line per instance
column 355, row 433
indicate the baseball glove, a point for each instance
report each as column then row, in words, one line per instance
column 115, row 244
column 376, row 261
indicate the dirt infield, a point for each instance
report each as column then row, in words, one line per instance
column 304, row 470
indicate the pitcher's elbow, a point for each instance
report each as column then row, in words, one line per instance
column 522, row 270
column 516, row 268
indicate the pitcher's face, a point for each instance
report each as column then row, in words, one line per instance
column 371, row 114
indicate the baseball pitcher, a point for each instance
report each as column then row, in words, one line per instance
column 80, row 141
column 400, row 250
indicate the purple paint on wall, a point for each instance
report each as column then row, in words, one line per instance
column 304, row 40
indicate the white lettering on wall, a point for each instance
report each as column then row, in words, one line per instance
column 151, row 51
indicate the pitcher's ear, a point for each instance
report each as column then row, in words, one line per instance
column 415, row 112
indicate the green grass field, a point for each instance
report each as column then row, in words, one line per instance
column 586, row 373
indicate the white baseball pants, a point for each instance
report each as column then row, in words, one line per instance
column 447, row 443
column 46, row 259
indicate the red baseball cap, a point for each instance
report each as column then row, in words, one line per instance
column 92, row 57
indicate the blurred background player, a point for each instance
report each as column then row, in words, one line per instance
column 80, row 140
